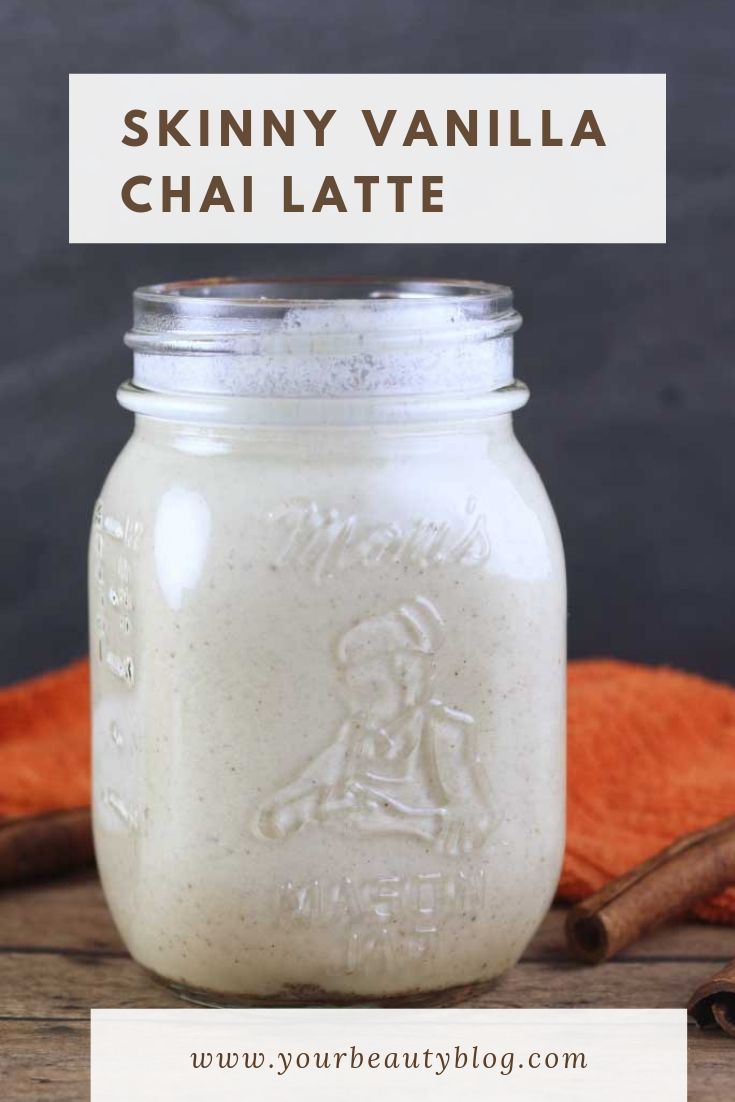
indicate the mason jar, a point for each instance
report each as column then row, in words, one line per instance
column 327, row 609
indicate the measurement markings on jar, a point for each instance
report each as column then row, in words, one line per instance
column 115, row 802
column 114, row 541
column 116, row 754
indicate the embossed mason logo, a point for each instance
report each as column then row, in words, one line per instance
column 402, row 761
column 380, row 922
column 324, row 541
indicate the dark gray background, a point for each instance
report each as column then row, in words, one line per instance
column 628, row 349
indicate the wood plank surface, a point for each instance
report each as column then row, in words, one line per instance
column 60, row 955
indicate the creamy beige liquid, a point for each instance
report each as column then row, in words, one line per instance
column 328, row 671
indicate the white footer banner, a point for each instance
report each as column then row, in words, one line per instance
column 513, row 1055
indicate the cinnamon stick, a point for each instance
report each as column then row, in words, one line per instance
column 713, row 1003
column 45, row 845
column 693, row 868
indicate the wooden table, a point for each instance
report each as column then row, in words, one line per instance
column 60, row 955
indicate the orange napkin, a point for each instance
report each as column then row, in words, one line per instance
column 651, row 756
column 44, row 742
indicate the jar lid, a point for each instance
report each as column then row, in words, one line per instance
column 323, row 337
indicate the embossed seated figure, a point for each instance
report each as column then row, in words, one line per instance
column 402, row 762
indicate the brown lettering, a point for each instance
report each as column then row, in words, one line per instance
column 228, row 123
column 289, row 206
column 468, row 129
column 216, row 196
column 546, row 138
column 367, row 191
column 183, row 193
column 204, row 127
column 272, row 124
column 167, row 127
column 127, row 194
column 431, row 195
column 379, row 133
column 329, row 196
column 493, row 127
column 420, row 130
column 588, row 129
column 320, row 124
column 515, row 138
column 399, row 182
column 141, row 132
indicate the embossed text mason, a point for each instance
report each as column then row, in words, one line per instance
column 327, row 612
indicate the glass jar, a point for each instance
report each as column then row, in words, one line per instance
column 328, row 645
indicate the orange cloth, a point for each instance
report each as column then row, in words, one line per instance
column 651, row 756
column 44, row 742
